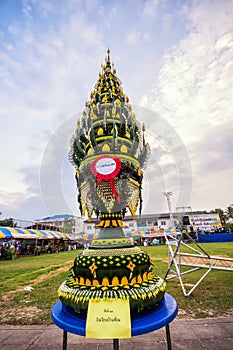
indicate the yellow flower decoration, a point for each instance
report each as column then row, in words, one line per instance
column 93, row 267
column 131, row 266
column 124, row 280
column 105, row 282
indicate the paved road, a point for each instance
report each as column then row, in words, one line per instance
column 201, row 334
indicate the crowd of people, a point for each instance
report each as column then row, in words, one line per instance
column 9, row 249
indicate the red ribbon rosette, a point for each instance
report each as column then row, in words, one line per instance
column 106, row 168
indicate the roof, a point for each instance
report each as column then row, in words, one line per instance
column 56, row 217
column 16, row 233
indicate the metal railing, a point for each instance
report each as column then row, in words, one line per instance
column 200, row 260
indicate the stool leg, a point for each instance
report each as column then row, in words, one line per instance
column 169, row 344
column 64, row 347
column 115, row 344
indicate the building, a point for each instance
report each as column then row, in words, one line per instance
column 143, row 223
column 198, row 220
column 66, row 223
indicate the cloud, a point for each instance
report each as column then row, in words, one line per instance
column 45, row 7
column 133, row 37
column 14, row 203
column 212, row 160
column 45, row 77
column 195, row 82
column 169, row 166
column 150, row 8
column 219, row 151
column 49, row 62
column 194, row 90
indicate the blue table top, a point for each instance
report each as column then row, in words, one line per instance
column 67, row 319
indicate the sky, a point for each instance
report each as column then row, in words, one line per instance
column 175, row 61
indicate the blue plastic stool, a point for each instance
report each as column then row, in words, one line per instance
column 68, row 320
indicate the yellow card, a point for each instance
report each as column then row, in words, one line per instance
column 108, row 319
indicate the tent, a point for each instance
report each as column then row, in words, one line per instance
column 88, row 236
column 133, row 234
column 16, row 233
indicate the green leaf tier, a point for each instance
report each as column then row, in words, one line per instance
column 124, row 273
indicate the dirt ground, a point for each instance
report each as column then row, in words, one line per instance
column 23, row 314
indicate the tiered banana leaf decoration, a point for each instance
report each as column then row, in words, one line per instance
column 109, row 152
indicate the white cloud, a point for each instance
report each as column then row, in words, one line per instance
column 132, row 38
column 49, row 62
column 169, row 166
column 194, row 93
column 14, row 203
column 167, row 19
column 150, row 8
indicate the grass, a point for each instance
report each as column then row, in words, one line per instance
column 44, row 273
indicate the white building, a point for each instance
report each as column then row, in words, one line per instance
column 145, row 222
column 66, row 223
column 74, row 225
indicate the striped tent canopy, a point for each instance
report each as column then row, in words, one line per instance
column 173, row 231
column 133, row 234
column 16, row 233
column 88, row 236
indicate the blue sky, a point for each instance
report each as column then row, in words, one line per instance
column 175, row 60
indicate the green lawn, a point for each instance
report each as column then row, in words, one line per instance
column 213, row 297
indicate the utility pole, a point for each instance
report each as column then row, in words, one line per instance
column 168, row 195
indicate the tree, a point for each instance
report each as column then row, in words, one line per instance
column 229, row 218
column 8, row 222
column 229, row 212
column 229, row 227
